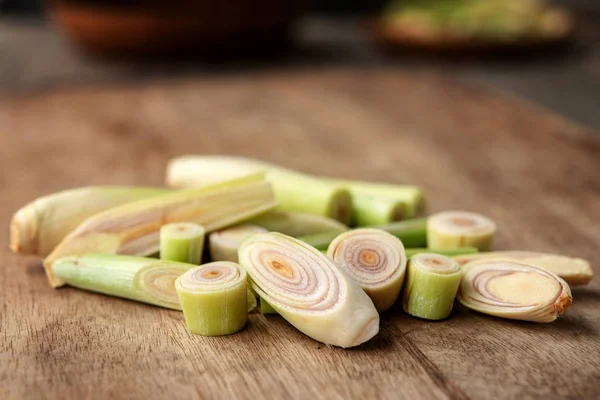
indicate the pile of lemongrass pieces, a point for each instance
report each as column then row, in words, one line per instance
column 234, row 235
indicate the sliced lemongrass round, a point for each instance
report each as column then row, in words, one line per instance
column 513, row 289
column 213, row 297
column 308, row 290
column 182, row 241
column 431, row 285
column 375, row 259
column 575, row 271
column 453, row 229
column 225, row 243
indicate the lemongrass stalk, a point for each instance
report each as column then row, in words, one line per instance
column 182, row 241
column 296, row 223
column 251, row 300
column 308, row 290
column 265, row 308
column 133, row 228
column 141, row 279
column 431, row 285
column 375, row 259
column 38, row 227
column 575, row 271
column 444, row 252
column 294, row 191
column 224, row 244
column 513, row 289
column 372, row 210
column 452, row 229
column 412, row 233
column 213, row 297
column 413, row 198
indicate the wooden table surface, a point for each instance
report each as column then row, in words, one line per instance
column 534, row 173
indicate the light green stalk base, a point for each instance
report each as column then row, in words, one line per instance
column 133, row 228
column 296, row 223
column 412, row 233
column 443, row 252
column 454, row 229
column 224, row 244
column 367, row 210
column 38, row 227
column 182, row 241
column 266, row 308
column 136, row 278
column 214, row 298
column 431, row 285
column 294, row 191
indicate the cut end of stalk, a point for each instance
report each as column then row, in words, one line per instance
column 452, row 229
column 513, row 289
column 215, row 276
column 158, row 281
column 224, row 244
column 23, row 231
column 341, row 207
column 435, row 263
column 182, row 230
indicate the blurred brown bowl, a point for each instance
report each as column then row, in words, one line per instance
column 159, row 27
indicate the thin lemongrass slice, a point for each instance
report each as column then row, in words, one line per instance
column 375, row 259
column 296, row 223
column 294, row 191
column 224, row 244
column 213, row 297
column 444, row 252
column 513, row 289
column 452, row 229
column 38, row 227
column 412, row 233
column 575, row 271
column 309, row 290
column 136, row 278
column 431, row 285
column 182, row 241
column 134, row 228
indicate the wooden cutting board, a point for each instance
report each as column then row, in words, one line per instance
column 534, row 173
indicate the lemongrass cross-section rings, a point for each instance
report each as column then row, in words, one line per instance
column 375, row 259
column 513, row 289
column 454, row 229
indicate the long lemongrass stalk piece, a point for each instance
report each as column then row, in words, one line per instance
column 213, row 297
column 38, row 227
column 296, row 223
column 136, row 278
column 431, row 285
column 444, row 252
column 375, row 259
column 309, row 290
column 412, row 233
column 294, row 191
column 452, row 229
column 575, row 271
column 224, row 244
column 513, row 289
column 182, row 241
column 133, row 228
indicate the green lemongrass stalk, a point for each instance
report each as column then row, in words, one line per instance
column 296, row 223
column 38, row 227
column 133, row 228
column 375, row 259
column 213, row 297
column 224, row 244
column 135, row 278
column 294, row 191
column 453, row 229
column 412, row 198
column 309, row 290
column 513, row 289
column 412, row 233
column 182, row 241
column 444, row 252
column 575, row 271
column 431, row 285
column 266, row 308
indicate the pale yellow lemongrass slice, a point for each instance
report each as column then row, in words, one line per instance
column 375, row 259
column 513, row 289
column 454, row 229
column 224, row 244
column 309, row 290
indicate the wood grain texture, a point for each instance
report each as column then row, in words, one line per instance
column 535, row 174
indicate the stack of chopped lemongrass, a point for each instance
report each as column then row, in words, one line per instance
column 328, row 255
